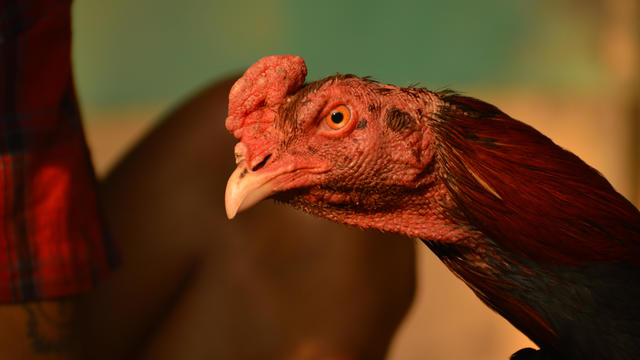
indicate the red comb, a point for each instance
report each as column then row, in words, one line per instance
column 263, row 86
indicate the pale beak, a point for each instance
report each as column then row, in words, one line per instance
column 246, row 188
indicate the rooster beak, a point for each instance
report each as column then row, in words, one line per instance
column 246, row 188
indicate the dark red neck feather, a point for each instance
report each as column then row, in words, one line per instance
column 526, row 193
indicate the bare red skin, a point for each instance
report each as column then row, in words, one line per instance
column 321, row 155
column 540, row 237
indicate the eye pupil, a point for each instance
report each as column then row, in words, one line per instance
column 337, row 117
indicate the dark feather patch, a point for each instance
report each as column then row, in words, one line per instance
column 411, row 92
column 398, row 120
column 382, row 90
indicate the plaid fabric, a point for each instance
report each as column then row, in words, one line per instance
column 51, row 237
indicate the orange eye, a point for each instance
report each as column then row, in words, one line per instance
column 338, row 117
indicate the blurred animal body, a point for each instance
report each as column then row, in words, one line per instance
column 540, row 237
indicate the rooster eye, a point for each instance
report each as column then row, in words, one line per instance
column 338, row 117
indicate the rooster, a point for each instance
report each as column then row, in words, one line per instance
column 538, row 235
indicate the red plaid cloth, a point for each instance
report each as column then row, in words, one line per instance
column 51, row 237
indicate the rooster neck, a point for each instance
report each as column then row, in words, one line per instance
column 587, row 312
column 420, row 212
column 550, row 245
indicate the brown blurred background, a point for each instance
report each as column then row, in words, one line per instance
column 569, row 68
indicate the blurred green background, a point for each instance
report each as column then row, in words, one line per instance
column 128, row 52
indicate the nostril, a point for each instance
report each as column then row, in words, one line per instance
column 262, row 163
